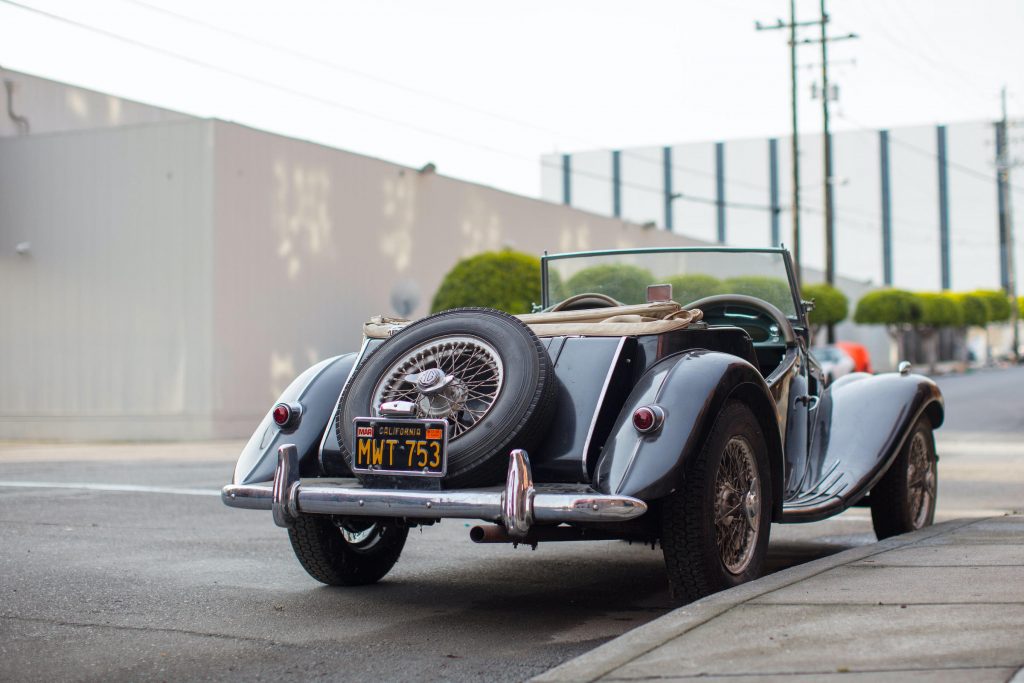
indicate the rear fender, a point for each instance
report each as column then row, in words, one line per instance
column 316, row 390
column 691, row 387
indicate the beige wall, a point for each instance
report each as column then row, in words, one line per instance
column 180, row 274
column 104, row 323
column 311, row 241
column 52, row 107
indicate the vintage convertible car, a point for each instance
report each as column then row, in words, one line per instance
column 612, row 413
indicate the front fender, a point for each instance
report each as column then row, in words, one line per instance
column 692, row 387
column 859, row 427
column 317, row 390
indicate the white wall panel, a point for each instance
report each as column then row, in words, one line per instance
column 915, row 212
column 973, row 206
column 591, row 181
column 747, row 182
column 643, row 185
column 106, row 319
column 858, row 205
column 693, row 175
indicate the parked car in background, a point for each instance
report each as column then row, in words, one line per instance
column 859, row 354
column 664, row 396
column 835, row 362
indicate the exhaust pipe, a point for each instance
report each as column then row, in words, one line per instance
column 492, row 533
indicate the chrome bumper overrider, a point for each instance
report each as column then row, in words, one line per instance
column 517, row 505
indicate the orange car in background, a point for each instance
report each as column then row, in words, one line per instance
column 859, row 354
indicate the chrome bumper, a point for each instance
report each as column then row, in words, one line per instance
column 517, row 505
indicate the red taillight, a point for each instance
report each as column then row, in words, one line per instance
column 647, row 419
column 282, row 414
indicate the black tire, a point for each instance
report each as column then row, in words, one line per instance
column 322, row 550
column 522, row 404
column 904, row 499
column 689, row 535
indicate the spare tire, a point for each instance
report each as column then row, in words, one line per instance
column 498, row 388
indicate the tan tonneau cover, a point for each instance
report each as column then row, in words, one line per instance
column 614, row 321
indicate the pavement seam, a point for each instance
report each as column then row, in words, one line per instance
column 795, row 674
column 580, row 673
column 158, row 629
column 879, row 604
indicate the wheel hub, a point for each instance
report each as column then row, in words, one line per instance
column 457, row 378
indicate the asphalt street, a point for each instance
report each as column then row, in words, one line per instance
column 104, row 579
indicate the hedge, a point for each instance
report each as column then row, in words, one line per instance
column 507, row 280
column 623, row 282
column 830, row 305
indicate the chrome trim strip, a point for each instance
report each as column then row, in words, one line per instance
column 334, row 413
column 600, row 404
column 484, row 504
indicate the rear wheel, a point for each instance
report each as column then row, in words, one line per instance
column 346, row 551
column 904, row 499
column 714, row 530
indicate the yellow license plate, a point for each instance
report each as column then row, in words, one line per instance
column 400, row 446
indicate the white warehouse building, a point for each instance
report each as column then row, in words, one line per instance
column 915, row 207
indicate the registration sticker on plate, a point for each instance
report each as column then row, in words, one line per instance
column 400, row 446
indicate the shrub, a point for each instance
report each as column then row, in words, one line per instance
column 771, row 289
column 507, row 280
column 623, row 282
column 890, row 307
column 975, row 310
column 941, row 310
column 687, row 288
column 997, row 302
column 830, row 305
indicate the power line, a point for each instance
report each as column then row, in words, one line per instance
column 357, row 110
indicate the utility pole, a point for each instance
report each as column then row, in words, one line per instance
column 792, row 26
column 1004, row 163
column 830, row 259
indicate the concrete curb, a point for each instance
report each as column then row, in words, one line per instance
column 638, row 642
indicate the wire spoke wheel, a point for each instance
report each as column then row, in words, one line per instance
column 905, row 497
column 483, row 371
column 455, row 377
column 737, row 505
column 921, row 481
column 715, row 528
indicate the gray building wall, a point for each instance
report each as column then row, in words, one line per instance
column 106, row 319
column 180, row 274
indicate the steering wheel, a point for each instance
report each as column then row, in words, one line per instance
column 584, row 301
column 758, row 305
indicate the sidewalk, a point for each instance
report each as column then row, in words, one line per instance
column 945, row 603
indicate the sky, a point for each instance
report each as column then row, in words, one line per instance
column 484, row 89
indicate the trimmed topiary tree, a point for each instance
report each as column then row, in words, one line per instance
column 507, row 280
column 687, row 288
column 975, row 310
column 998, row 305
column 897, row 309
column 620, row 281
column 975, row 315
column 997, row 302
column 830, row 306
column 771, row 289
column 938, row 310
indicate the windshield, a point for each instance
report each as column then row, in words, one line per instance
column 693, row 274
